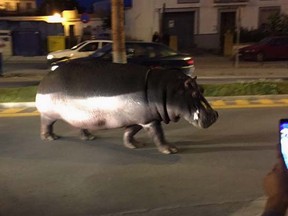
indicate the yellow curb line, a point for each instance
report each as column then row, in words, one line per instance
column 18, row 114
column 250, row 106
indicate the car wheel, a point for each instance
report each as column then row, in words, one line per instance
column 260, row 57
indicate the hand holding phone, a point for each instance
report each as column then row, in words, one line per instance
column 283, row 133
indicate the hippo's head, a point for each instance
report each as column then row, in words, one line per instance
column 198, row 111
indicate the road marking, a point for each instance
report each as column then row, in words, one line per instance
column 265, row 101
column 11, row 110
column 254, row 208
column 216, row 104
column 283, row 101
column 242, row 102
column 235, row 106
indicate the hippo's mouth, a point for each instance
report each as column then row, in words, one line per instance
column 203, row 119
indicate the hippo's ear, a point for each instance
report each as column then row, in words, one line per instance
column 188, row 83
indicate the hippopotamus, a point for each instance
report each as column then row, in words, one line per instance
column 94, row 95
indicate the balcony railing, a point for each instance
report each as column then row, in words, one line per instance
column 188, row 1
column 230, row 1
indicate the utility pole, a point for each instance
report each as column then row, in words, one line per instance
column 238, row 28
column 118, row 35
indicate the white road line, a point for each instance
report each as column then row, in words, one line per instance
column 254, row 208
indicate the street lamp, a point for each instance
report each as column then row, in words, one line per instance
column 55, row 18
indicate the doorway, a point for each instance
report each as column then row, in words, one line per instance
column 227, row 23
column 181, row 26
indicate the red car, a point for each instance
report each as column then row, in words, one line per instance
column 267, row 49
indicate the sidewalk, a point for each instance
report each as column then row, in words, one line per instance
column 215, row 66
column 210, row 66
column 207, row 67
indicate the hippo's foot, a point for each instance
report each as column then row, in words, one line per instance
column 86, row 135
column 167, row 149
column 49, row 136
column 133, row 144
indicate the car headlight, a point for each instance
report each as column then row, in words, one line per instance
column 49, row 57
column 54, row 67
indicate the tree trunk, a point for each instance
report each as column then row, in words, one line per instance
column 118, row 36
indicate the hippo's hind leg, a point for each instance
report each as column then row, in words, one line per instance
column 86, row 135
column 47, row 128
column 128, row 137
column 156, row 132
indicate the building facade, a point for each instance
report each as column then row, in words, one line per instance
column 197, row 23
column 10, row 7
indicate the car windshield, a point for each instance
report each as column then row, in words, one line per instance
column 147, row 50
column 150, row 50
column 265, row 41
column 104, row 50
column 77, row 46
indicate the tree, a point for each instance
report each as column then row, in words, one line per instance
column 278, row 24
column 118, row 36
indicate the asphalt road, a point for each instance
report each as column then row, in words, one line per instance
column 218, row 171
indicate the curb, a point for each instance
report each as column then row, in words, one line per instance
column 17, row 105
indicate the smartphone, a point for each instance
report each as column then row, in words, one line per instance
column 283, row 133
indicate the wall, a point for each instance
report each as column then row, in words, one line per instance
column 144, row 18
column 11, row 5
column 141, row 20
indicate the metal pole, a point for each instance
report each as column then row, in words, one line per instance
column 118, row 36
column 238, row 25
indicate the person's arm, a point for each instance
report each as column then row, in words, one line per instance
column 276, row 188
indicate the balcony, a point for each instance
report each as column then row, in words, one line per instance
column 230, row 1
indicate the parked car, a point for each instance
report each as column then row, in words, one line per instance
column 153, row 55
column 275, row 47
column 80, row 50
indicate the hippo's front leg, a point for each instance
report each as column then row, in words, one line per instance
column 128, row 137
column 156, row 132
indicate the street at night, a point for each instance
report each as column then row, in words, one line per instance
column 218, row 171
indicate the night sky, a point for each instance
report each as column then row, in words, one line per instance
column 83, row 3
column 87, row 4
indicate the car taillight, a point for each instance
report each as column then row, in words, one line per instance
column 190, row 62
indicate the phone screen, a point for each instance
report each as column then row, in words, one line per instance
column 283, row 129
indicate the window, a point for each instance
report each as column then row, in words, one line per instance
column 265, row 13
column 28, row 6
column 8, row 6
column 89, row 47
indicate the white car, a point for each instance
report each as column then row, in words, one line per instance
column 80, row 50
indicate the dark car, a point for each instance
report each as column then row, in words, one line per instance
column 152, row 55
column 267, row 49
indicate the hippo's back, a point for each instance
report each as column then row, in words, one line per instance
column 90, row 77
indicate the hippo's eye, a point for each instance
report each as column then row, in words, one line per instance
column 195, row 94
